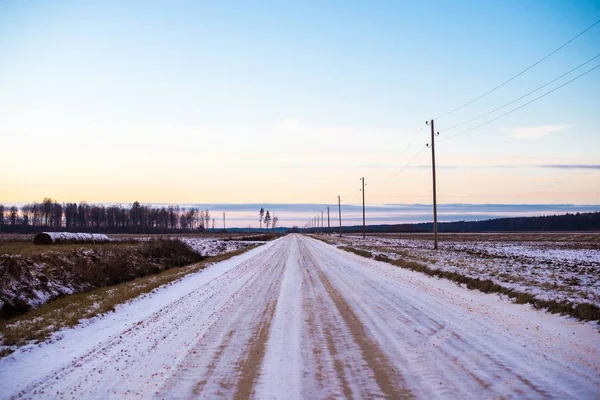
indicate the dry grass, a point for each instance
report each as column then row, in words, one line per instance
column 324, row 239
column 354, row 250
column 37, row 325
column 28, row 248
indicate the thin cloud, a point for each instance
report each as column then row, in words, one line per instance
column 571, row 166
column 537, row 132
column 511, row 166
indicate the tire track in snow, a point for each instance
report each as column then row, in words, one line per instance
column 383, row 371
column 335, row 359
column 221, row 363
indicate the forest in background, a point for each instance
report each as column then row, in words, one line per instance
column 50, row 215
column 547, row 223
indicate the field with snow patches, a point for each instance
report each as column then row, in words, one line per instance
column 548, row 266
column 211, row 246
column 208, row 246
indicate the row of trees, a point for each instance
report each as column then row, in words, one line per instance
column 83, row 217
column 549, row 223
column 266, row 218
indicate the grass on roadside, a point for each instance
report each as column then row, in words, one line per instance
column 324, row 239
column 28, row 248
column 38, row 324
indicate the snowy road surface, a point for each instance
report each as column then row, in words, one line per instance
column 298, row 318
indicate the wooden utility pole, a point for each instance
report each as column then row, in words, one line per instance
column 435, row 230
column 322, row 224
column 363, row 196
column 223, row 222
column 328, row 225
column 340, row 211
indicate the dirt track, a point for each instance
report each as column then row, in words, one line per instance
column 301, row 319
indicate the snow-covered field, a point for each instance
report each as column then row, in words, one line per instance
column 550, row 266
column 297, row 318
column 207, row 246
column 215, row 246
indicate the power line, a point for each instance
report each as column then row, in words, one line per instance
column 411, row 141
column 521, row 106
column 525, row 95
column 522, row 72
column 411, row 160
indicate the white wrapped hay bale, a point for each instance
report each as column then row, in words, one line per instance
column 69, row 237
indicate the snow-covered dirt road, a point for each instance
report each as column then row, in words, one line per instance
column 298, row 318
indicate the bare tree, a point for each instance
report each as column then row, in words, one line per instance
column 47, row 210
column 261, row 213
column 12, row 215
column 275, row 220
column 207, row 218
column 26, row 213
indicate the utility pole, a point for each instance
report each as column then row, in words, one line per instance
column 340, row 210
column 435, row 230
column 328, row 224
column 363, row 196
column 322, row 226
column 223, row 222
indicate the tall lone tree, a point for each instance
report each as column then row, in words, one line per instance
column 207, row 218
column 261, row 213
column 267, row 219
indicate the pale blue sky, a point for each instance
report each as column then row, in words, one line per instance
column 293, row 101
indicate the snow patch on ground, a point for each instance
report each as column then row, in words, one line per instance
column 209, row 247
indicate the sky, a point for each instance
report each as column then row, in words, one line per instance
column 294, row 102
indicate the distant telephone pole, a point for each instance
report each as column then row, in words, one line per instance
column 322, row 225
column 435, row 230
column 340, row 211
column 363, row 196
column 328, row 225
column 223, row 222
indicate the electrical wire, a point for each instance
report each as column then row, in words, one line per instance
column 411, row 141
column 409, row 162
column 520, row 73
column 521, row 106
column 525, row 95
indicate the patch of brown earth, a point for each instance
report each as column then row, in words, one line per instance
column 249, row 367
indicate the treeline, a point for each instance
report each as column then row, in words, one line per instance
column 550, row 223
column 72, row 217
